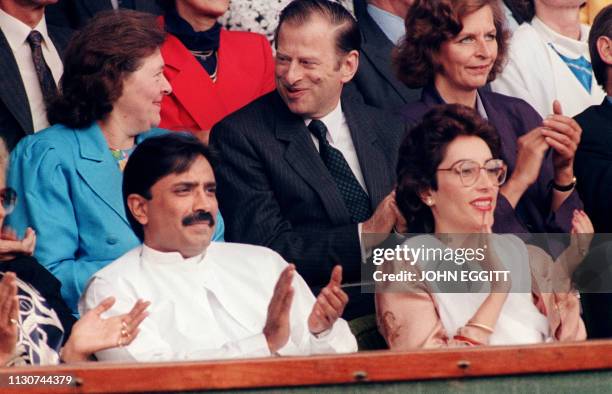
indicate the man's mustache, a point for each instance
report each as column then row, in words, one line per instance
column 199, row 217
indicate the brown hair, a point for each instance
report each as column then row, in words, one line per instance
column 97, row 60
column 429, row 24
column 424, row 148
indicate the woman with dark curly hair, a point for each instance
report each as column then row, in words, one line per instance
column 449, row 174
column 452, row 48
column 70, row 174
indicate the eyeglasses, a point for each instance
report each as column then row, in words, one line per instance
column 8, row 197
column 469, row 171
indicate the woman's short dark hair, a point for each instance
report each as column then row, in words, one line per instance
column 299, row 12
column 431, row 23
column 424, row 148
column 97, row 60
column 155, row 158
column 602, row 26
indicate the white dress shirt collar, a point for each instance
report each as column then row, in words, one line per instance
column 333, row 121
column 16, row 32
column 163, row 258
column 390, row 24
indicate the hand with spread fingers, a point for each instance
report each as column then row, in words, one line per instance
column 93, row 333
column 11, row 245
column 277, row 328
column 9, row 316
column 329, row 305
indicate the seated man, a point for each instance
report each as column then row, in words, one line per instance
column 594, row 169
column 208, row 300
column 381, row 24
column 305, row 170
column 594, row 158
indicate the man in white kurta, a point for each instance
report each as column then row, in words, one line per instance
column 537, row 73
column 208, row 300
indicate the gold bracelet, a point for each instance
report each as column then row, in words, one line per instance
column 482, row 326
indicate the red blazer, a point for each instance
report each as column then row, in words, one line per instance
column 245, row 71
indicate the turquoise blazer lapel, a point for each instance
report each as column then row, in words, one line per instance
column 99, row 169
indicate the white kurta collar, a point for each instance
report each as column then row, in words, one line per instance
column 156, row 257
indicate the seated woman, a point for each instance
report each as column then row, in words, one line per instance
column 452, row 48
column 70, row 174
column 213, row 71
column 440, row 182
column 36, row 325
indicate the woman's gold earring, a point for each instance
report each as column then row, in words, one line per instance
column 429, row 201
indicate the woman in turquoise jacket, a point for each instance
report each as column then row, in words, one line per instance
column 70, row 174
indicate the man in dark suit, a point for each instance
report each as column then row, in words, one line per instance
column 307, row 170
column 22, row 108
column 593, row 168
column 594, row 155
column 381, row 23
column 76, row 13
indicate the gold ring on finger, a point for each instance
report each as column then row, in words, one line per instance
column 13, row 321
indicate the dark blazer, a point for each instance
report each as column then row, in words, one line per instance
column 593, row 165
column 513, row 117
column 76, row 13
column 15, row 115
column 274, row 189
column 593, row 169
column 375, row 78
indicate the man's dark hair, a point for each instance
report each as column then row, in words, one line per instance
column 424, row 148
column 602, row 26
column 155, row 158
column 299, row 12
column 97, row 61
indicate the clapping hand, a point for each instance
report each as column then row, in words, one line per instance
column 329, row 305
column 563, row 134
column 11, row 245
column 9, row 315
column 277, row 328
column 93, row 333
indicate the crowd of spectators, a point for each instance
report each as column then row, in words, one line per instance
column 190, row 179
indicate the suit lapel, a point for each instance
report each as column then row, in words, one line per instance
column 303, row 157
column 99, row 169
column 191, row 85
column 504, row 129
column 377, row 48
column 12, row 91
column 372, row 159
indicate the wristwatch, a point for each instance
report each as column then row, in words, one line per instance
column 565, row 188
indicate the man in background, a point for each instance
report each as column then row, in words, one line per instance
column 30, row 65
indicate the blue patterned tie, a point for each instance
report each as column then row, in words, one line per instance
column 355, row 198
column 580, row 67
column 45, row 78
